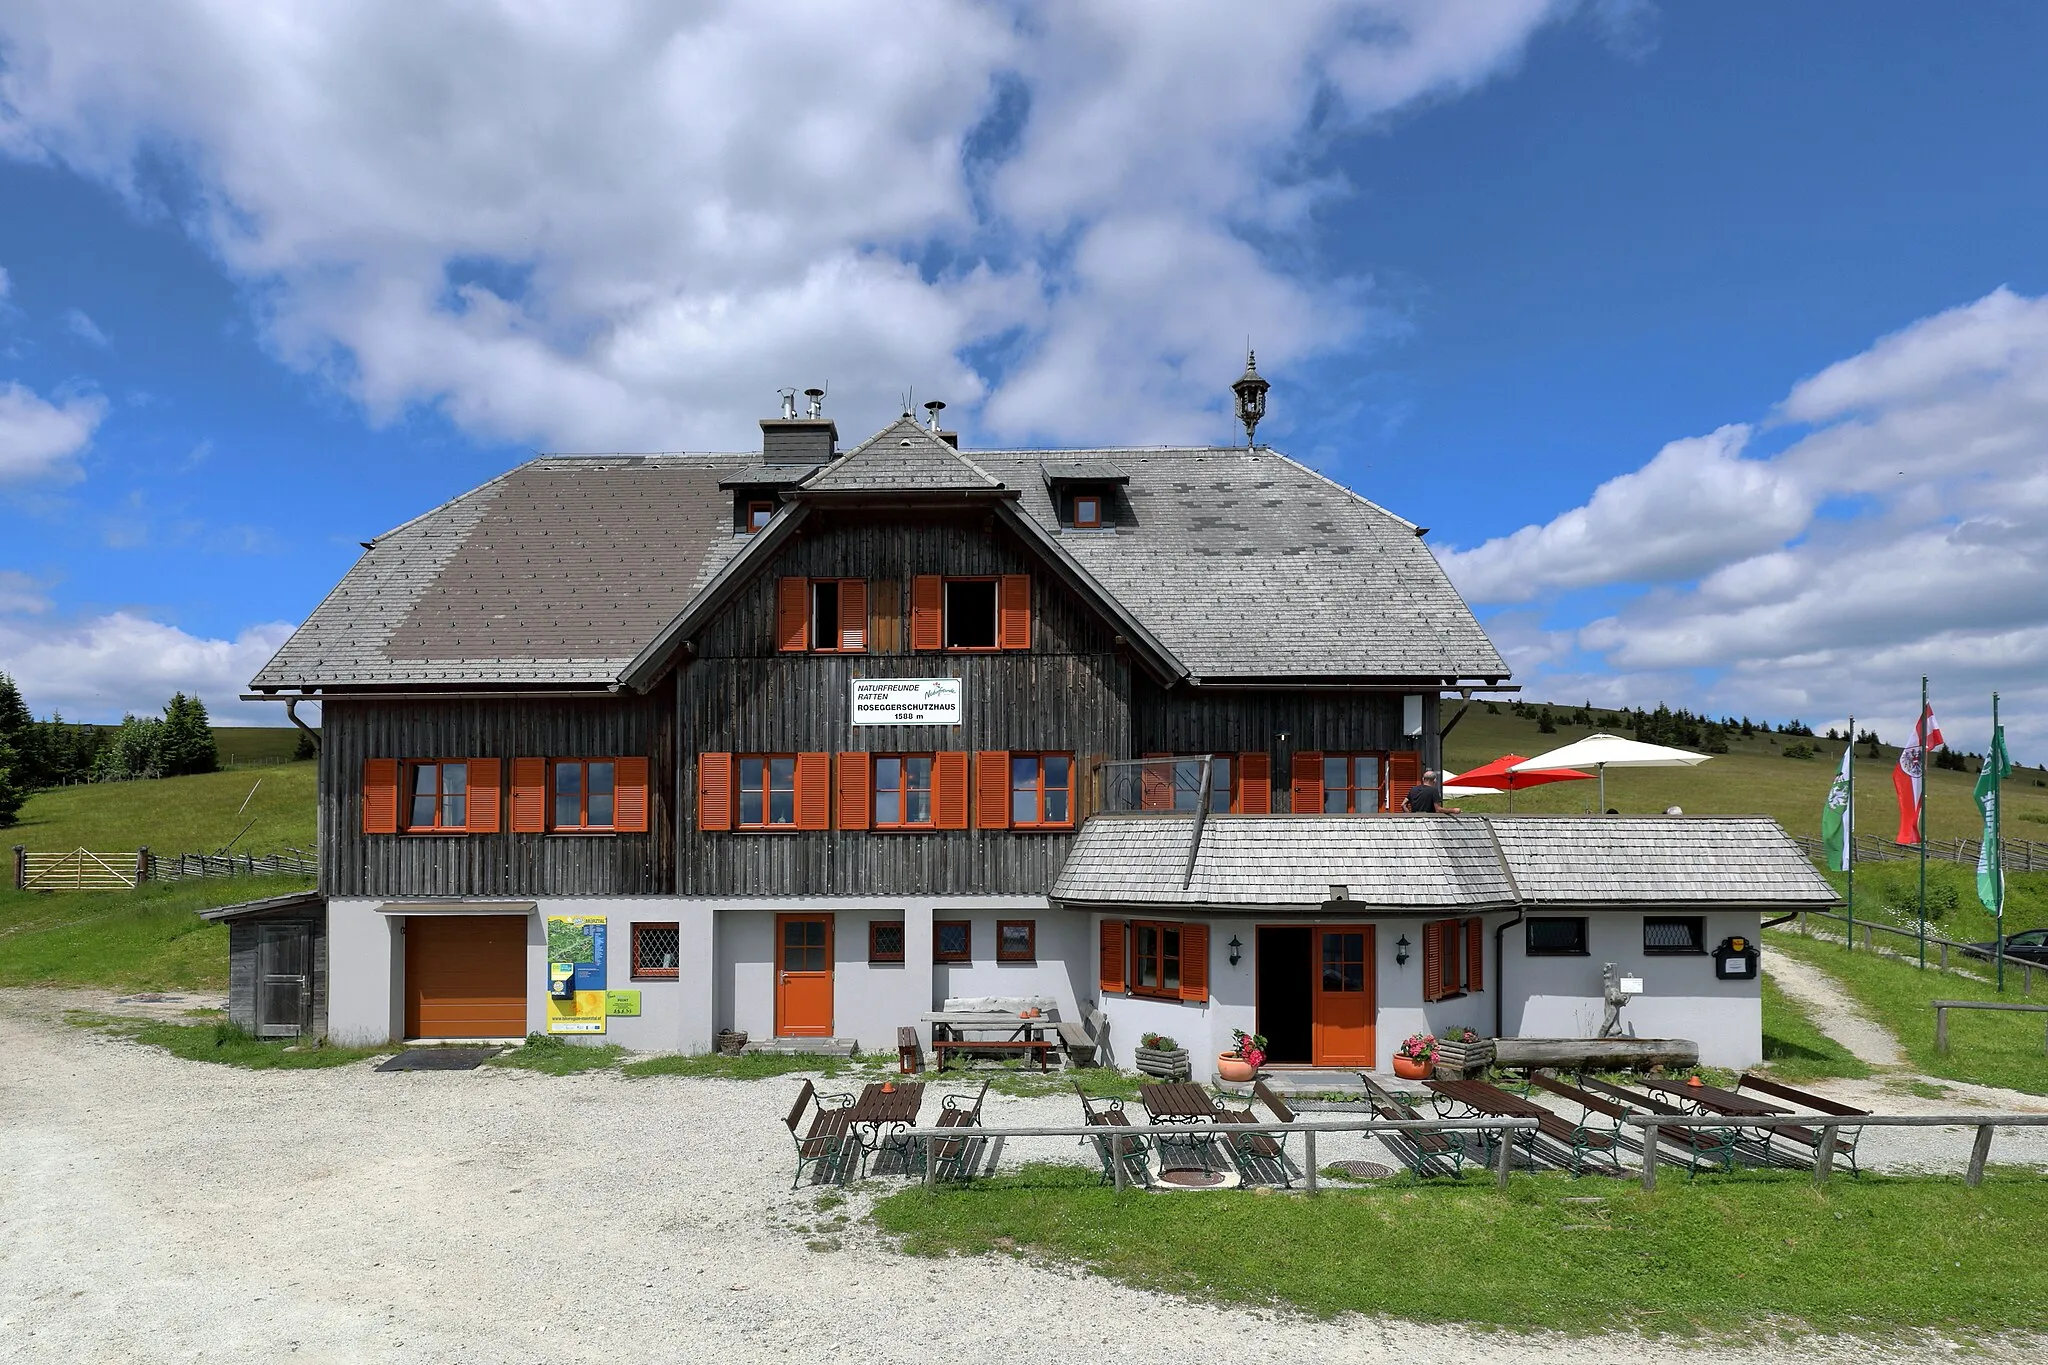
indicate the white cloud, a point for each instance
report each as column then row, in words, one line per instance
column 38, row 438
column 21, row 594
column 99, row 668
column 1904, row 532
column 6, row 284
column 627, row 225
column 84, row 328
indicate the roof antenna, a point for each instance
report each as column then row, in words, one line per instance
column 931, row 412
column 788, row 404
column 1251, row 396
column 908, row 394
column 815, row 407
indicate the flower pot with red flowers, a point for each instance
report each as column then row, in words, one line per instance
column 1242, row 1065
column 1416, row 1057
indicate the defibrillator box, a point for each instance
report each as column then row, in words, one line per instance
column 1736, row 958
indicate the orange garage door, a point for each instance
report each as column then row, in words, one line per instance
column 465, row 976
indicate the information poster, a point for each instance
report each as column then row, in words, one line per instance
column 576, row 974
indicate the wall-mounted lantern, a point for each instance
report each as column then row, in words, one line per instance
column 1236, row 950
column 1401, row 951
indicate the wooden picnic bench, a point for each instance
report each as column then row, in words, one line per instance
column 1845, row 1137
column 1717, row 1144
column 1036, row 1047
column 830, row 1137
column 909, row 1051
column 1578, row 1139
column 1110, row 1150
column 1259, row 1155
column 1414, row 1149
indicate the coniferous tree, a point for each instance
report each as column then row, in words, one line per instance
column 306, row 748
column 12, row 792
column 18, row 730
column 185, row 742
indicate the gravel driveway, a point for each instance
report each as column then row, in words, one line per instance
column 154, row 1209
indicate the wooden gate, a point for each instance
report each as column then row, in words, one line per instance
column 284, row 996
column 78, row 870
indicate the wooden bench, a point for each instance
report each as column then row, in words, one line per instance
column 1079, row 1046
column 1845, row 1137
column 1036, row 1047
column 1715, row 1144
column 909, row 1051
column 1250, row 1149
column 1426, row 1146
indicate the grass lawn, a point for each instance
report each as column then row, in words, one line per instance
column 555, row 1056
column 1795, row 1048
column 172, row 815
column 146, row 940
column 749, row 1066
column 1752, row 778
column 224, row 1044
column 1706, row 1257
column 1985, row 1047
column 255, row 744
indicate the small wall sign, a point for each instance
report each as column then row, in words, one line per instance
column 622, row 1003
column 906, row 701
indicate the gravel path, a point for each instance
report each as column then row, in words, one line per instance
column 154, row 1209
column 1833, row 1012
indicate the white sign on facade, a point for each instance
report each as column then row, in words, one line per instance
column 906, row 701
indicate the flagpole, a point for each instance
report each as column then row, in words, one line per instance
column 1997, row 853
column 1849, row 837
column 1920, row 815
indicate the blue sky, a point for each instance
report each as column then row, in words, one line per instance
column 1631, row 304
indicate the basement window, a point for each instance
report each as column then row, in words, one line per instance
column 970, row 613
column 655, row 950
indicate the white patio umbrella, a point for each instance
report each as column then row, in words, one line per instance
column 1599, row 751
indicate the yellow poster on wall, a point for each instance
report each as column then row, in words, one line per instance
column 576, row 973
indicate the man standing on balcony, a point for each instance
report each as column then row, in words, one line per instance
column 1427, row 796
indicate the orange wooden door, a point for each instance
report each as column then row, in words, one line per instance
column 1344, row 995
column 803, row 976
column 465, row 976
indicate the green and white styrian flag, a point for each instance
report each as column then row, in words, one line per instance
column 1838, row 820
column 1990, row 866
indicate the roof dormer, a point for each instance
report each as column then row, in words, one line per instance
column 1086, row 493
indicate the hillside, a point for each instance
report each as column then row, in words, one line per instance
column 172, row 815
column 1753, row 777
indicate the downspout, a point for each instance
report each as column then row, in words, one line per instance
column 1500, row 956
column 1187, row 872
column 1782, row 919
column 291, row 713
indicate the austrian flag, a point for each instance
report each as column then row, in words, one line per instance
column 1906, row 778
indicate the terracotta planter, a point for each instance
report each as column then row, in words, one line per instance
column 1409, row 1069
column 1231, row 1067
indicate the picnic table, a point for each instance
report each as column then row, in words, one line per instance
column 1198, row 1158
column 1177, row 1102
column 885, row 1110
column 1711, row 1099
column 1015, row 1033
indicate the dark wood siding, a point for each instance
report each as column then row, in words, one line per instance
column 1070, row 692
column 242, row 967
column 356, row 864
column 1193, row 721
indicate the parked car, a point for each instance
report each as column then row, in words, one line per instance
column 2030, row 946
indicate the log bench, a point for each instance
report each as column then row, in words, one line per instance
column 1036, row 1047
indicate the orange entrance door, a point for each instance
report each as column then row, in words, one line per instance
column 1344, row 995
column 803, row 976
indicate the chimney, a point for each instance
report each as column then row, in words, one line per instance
column 931, row 413
column 812, row 439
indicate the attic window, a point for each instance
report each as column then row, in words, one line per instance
column 1088, row 510
column 758, row 514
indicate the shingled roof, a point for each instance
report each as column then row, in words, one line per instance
column 1433, row 863
column 562, row 571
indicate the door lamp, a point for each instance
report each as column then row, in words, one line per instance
column 1401, row 951
column 1236, row 950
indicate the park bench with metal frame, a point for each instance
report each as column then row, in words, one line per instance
column 830, row 1137
column 1713, row 1144
column 1845, row 1137
column 1422, row 1152
column 1261, row 1157
column 953, row 1156
column 1129, row 1151
column 1578, row 1140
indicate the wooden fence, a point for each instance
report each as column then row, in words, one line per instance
column 84, row 870
column 1942, row 1007
column 1942, row 948
column 2018, row 855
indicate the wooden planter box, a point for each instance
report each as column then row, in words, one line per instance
column 1462, row 1059
column 1167, row 1066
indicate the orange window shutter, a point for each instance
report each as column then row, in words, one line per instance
column 1307, row 775
column 1475, row 955
column 380, row 796
column 529, row 795
column 1404, row 770
column 1254, row 784
column 856, row 790
column 714, row 791
column 1194, row 962
column 1109, row 975
column 1013, row 611
column 814, row 791
column 793, row 614
column 1155, row 783
column 949, row 790
column 992, row 790
column 486, row 777
column 1432, row 961
column 853, row 614
column 629, row 806
column 927, row 611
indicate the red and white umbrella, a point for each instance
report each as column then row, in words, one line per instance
column 1502, row 776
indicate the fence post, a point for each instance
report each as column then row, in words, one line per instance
column 1941, row 1030
column 20, row 866
column 1503, row 1159
column 1866, row 938
column 1824, row 1157
column 931, row 1165
column 141, row 866
column 1649, row 1158
column 1944, row 955
column 1118, row 1177
column 1979, row 1150
column 1308, row 1145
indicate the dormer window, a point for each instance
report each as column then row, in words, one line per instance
column 758, row 514
column 1088, row 511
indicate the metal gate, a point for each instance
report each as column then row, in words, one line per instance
column 284, row 1000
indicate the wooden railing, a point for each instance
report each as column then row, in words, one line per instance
column 83, row 870
column 291, row 863
column 1830, row 1126
column 1941, row 947
column 1942, row 1007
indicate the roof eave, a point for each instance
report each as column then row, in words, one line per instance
column 1163, row 662
column 649, row 663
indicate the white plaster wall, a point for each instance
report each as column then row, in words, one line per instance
column 1560, row 997
column 1058, row 972
column 746, row 972
column 365, row 958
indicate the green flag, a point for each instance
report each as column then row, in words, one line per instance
column 1990, row 865
column 1837, row 818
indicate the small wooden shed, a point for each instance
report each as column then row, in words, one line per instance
column 277, row 964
